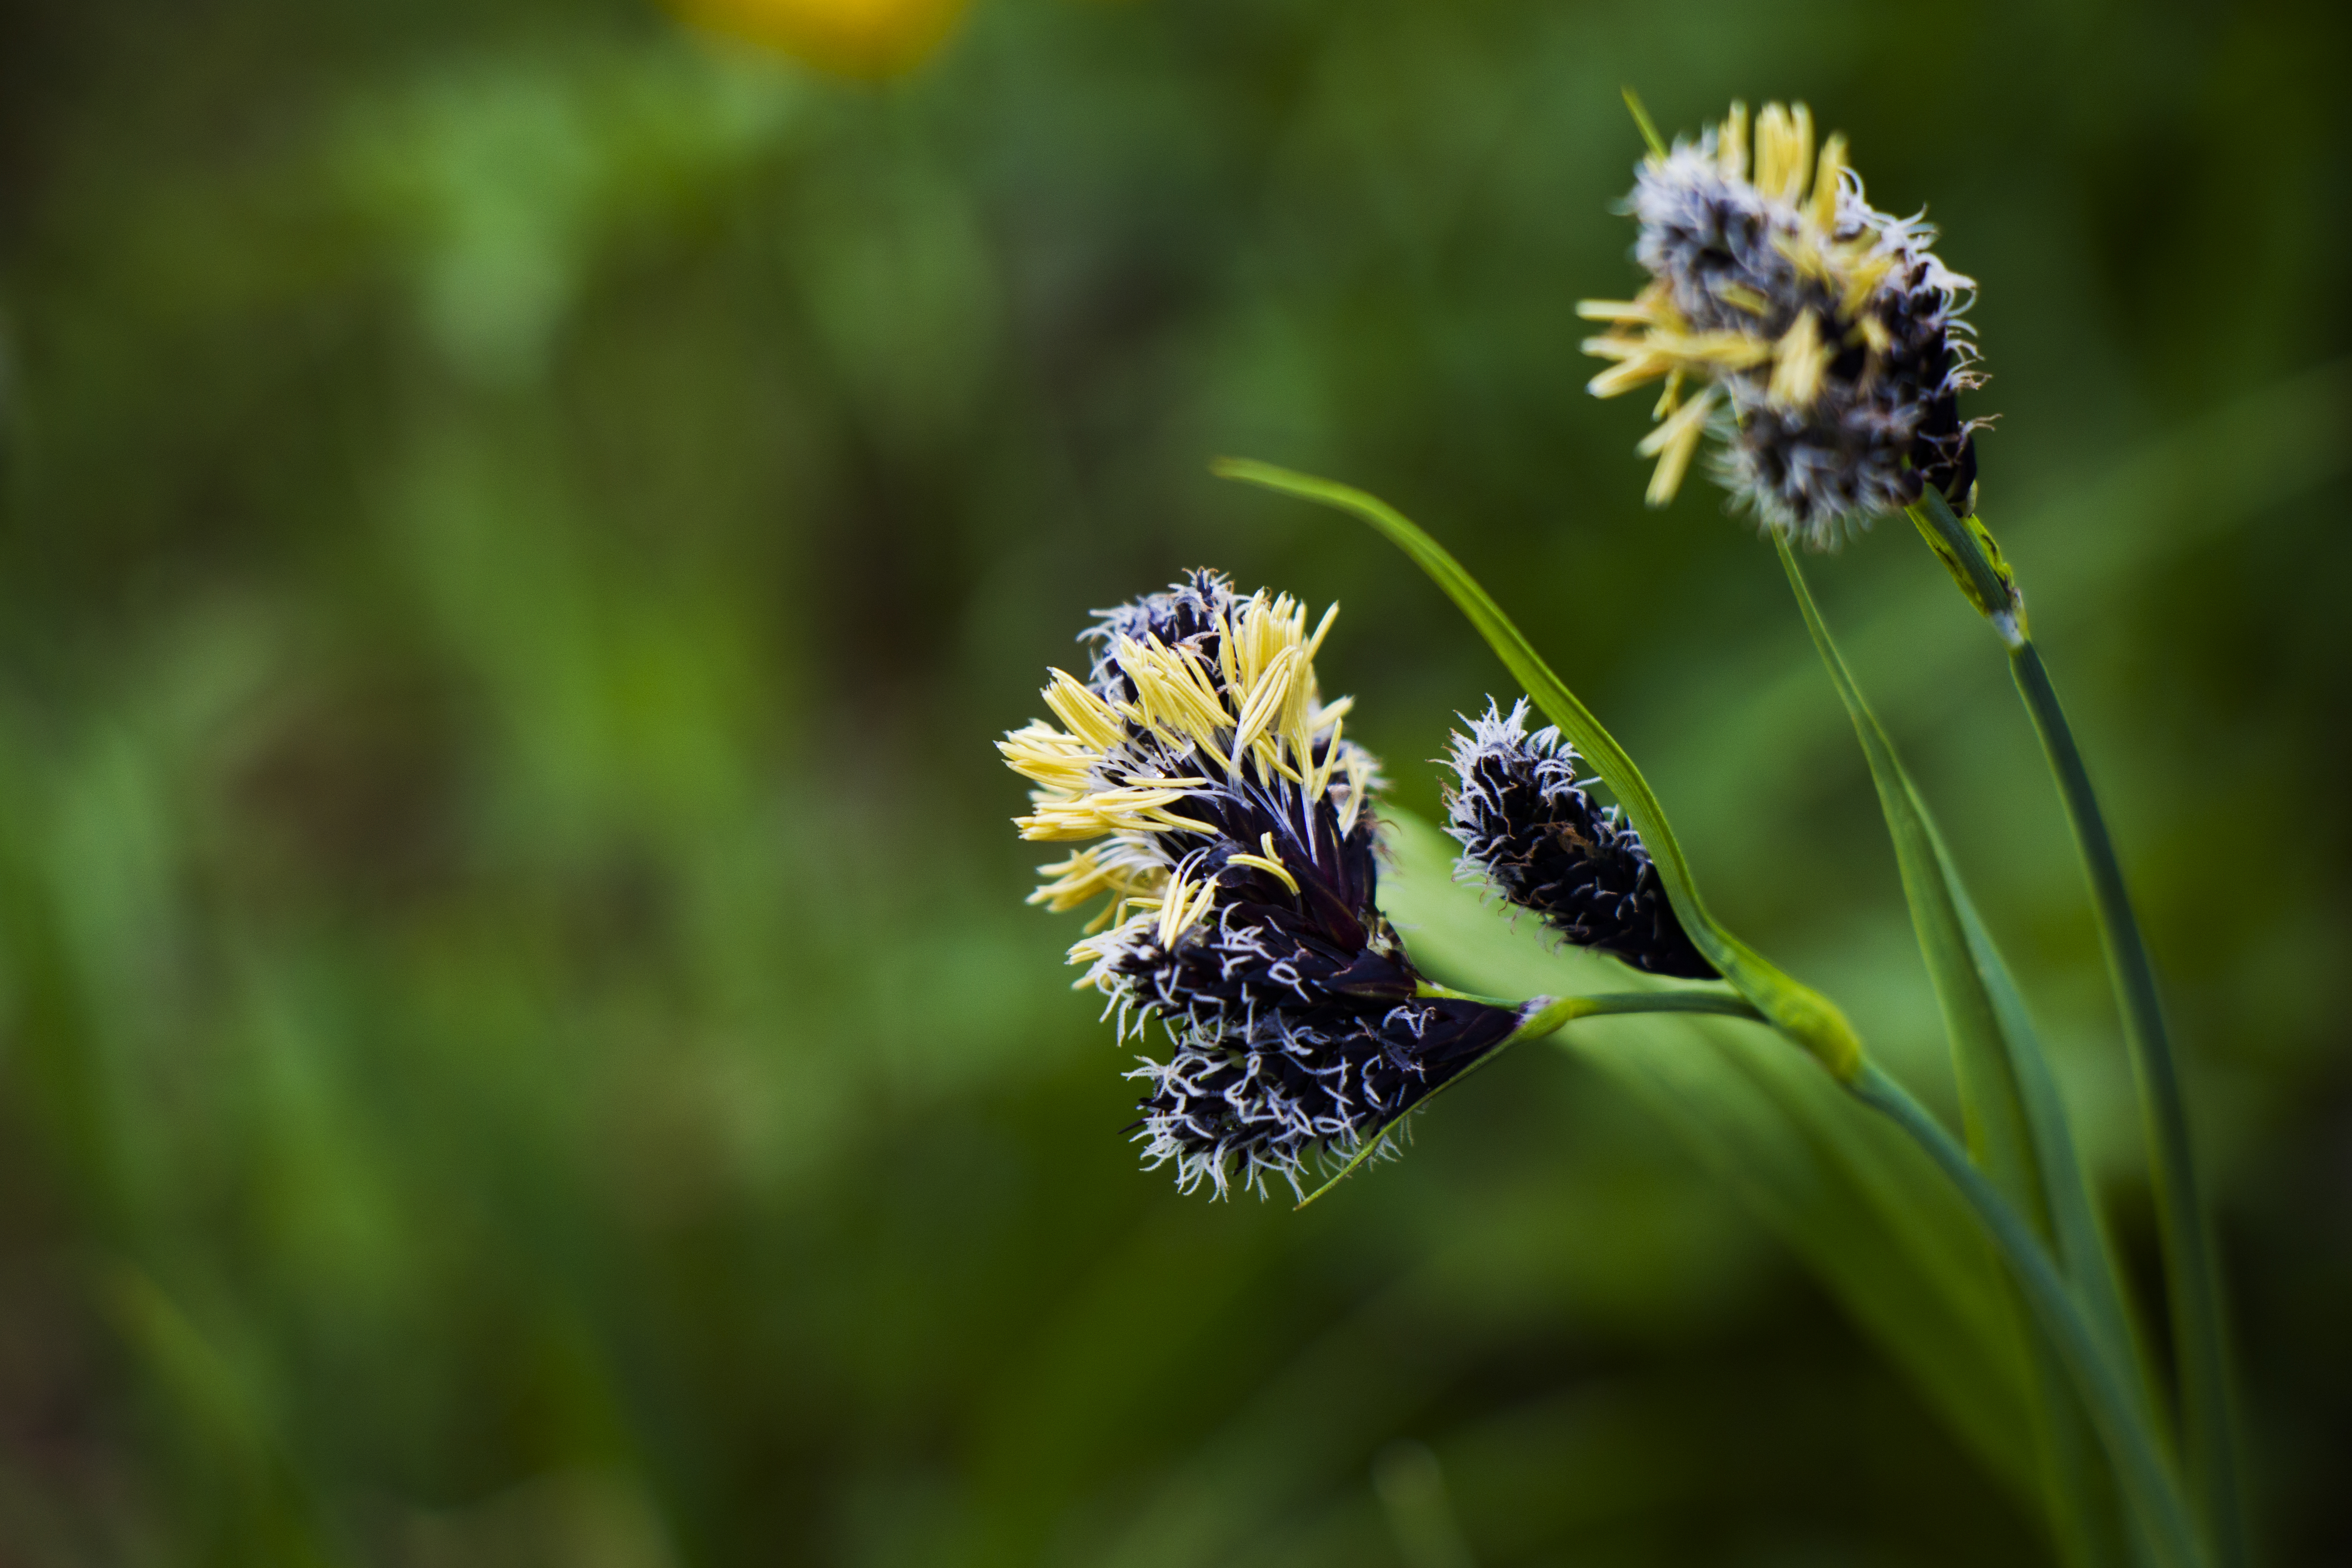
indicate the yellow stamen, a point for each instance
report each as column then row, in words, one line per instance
column 1727, row 350
column 1083, row 713
column 1228, row 656
column 1315, row 643
column 1805, row 254
column 1107, row 811
column 1661, row 353
column 1266, row 699
column 1731, row 148
column 1320, row 784
column 1863, row 273
column 1175, row 695
column 1619, row 345
column 1182, row 909
column 1268, row 862
column 1801, row 361
column 1741, row 295
column 1784, row 151
column 1629, row 376
column 1044, row 755
column 1087, row 875
column 1672, row 443
column 1828, row 181
column 1360, row 781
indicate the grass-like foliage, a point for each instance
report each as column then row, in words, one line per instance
column 2111, row 1489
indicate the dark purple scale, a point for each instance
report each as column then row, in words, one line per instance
column 1550, row 850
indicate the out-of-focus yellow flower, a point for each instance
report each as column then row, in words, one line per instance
column 868, row 38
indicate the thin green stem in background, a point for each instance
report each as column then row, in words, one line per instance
column 2192, row 1275
column 2101, row 1383
column 2192, row 1272
column 1648, row 127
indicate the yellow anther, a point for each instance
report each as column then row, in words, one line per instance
column 1265, row 699
column 1107, row 811
column 1800, row 363
column 1272, row 867
column 1087, row 875
column 1359, row 783
column 1723, row 350
column 1863, row 273
column 1784, row 151
column 1672, row 443
column 1182, row 909
column 1320, row 784
column 1044, row 755
column 1828, row 180
column 1083, row 713
column 1315, row 643
column 1641, row 366
column 1741, row 295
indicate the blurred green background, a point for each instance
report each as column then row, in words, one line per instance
column 519, row 1038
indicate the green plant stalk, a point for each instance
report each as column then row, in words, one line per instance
column 2101, row 1383
column 2191, row 1275
column 1800, row 1015
column 1798, row 1010
column 2016, row 1127
column 1554, row 1013
column 1540, row 1016
column 2101, row 1380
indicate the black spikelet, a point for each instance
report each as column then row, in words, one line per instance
column 1525, row 824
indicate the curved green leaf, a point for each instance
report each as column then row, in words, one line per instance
column 1798, row 1011
column 1866, row 1210
column 2017, row 1128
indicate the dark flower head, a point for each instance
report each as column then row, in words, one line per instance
column 1818, row 337
column 1526, row 826
column 1226, row 828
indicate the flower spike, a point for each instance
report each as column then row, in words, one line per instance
column 1826, row 337
column 1526, row 824
column 1224, row 829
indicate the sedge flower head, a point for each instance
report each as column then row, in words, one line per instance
column 1818, row 340
column 1222, row 819
column 1527, row 825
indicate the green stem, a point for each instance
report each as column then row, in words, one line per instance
column 1431, row 988
column 1556, row 1015
column 2101, row 1383
column 2191, row 1276
column 1548, row 1014
column 1541, row 1015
